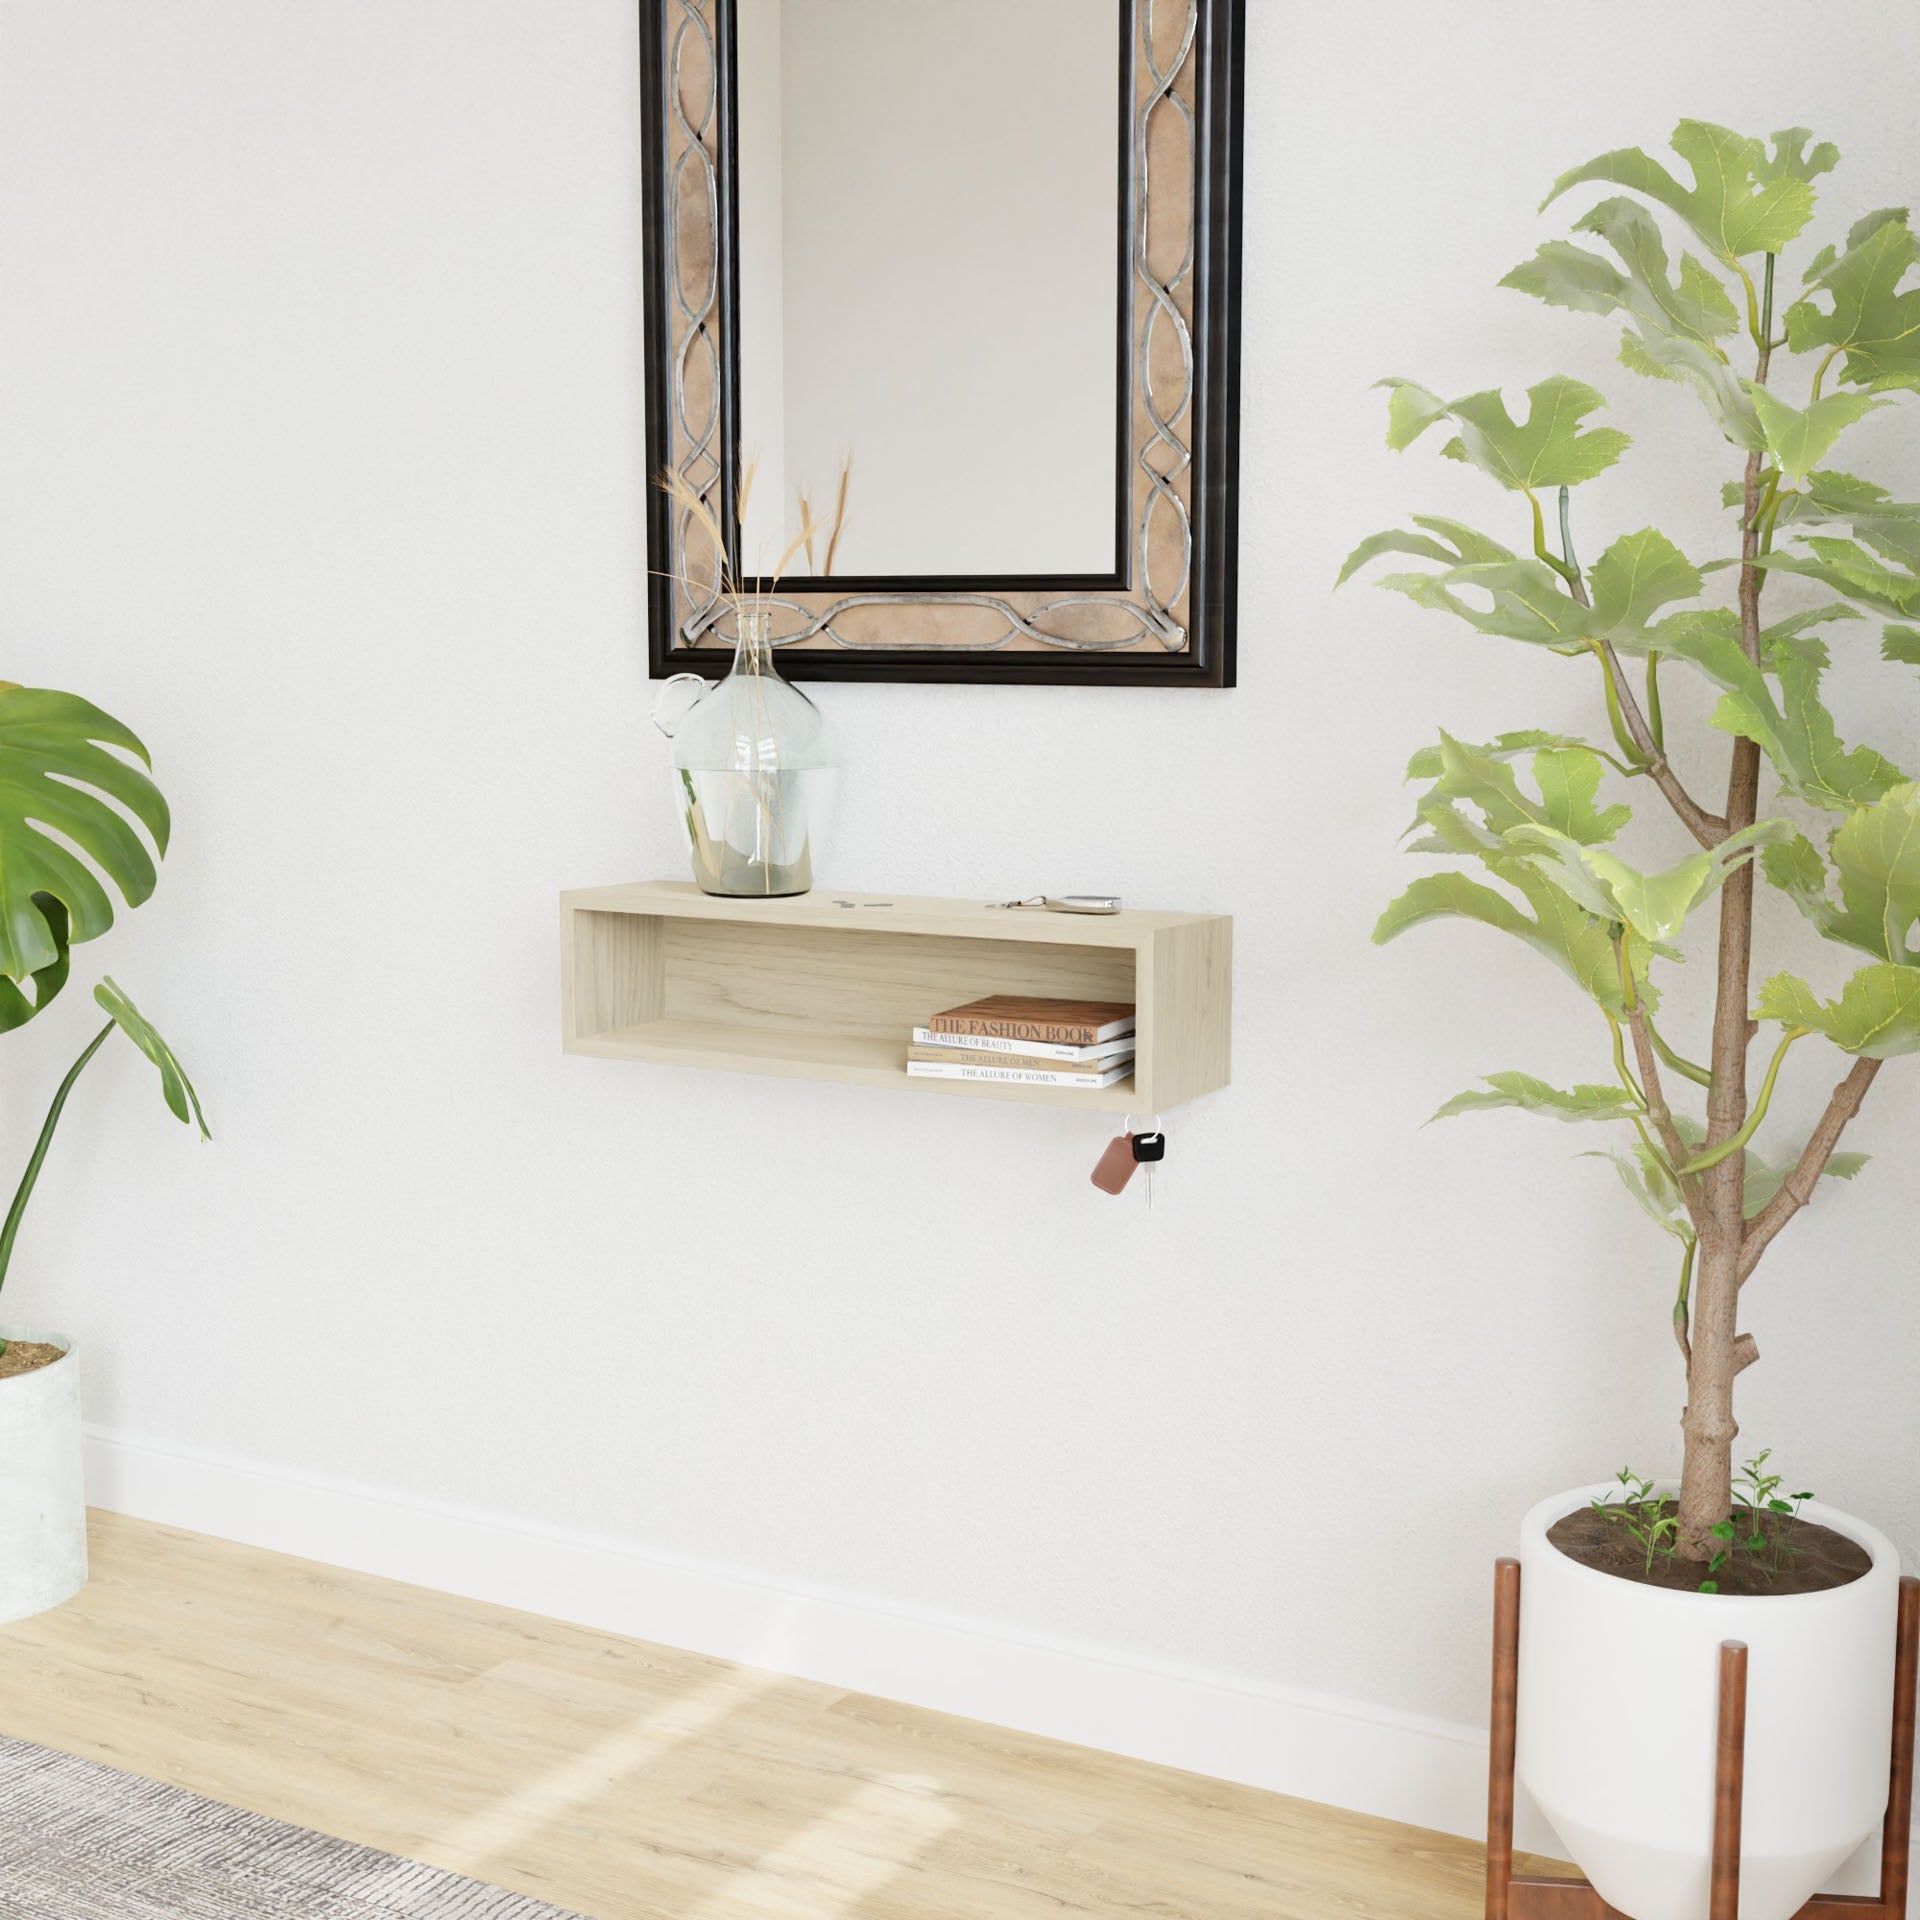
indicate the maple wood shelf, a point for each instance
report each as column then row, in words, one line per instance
column 827, row 985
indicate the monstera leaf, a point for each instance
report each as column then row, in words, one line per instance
column 17, row 1006
column 125, row 1018
column 1870, row 319
column 181, row 1099
column 56, row 773
column 1743, row 200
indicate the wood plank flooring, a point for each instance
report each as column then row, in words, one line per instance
column 633, row 1782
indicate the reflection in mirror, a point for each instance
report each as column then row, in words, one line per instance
column 930, row 280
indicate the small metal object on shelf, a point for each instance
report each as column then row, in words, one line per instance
column 1068, row 902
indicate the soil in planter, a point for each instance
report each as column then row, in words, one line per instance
column 27, row 1356
column 1812, row 1558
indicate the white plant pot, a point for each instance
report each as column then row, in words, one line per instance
column 1619, row 1702
column 43, row 1501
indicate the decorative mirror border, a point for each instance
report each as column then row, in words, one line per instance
column 1170, row 620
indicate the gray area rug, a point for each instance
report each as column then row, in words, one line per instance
column 86, row 1842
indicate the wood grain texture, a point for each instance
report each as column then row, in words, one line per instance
column 807, row 988
column 1729, row 1782
column 1186, row 1002
column 895, row 912
column 636, row 1783
column 610, row 973
column 1502, row 1725
column 1896, row 1841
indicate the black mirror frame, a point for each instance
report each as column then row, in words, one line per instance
column 1180, row 508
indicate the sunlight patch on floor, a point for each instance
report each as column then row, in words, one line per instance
column 835, row 1862
column 587, row 1775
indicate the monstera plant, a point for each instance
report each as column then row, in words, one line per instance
column 67, row 769
column 1614, row 1681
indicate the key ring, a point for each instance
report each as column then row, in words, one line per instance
column 1064, row 902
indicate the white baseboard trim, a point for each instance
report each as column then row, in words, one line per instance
column 1341, row 1752
column 1344, row 1753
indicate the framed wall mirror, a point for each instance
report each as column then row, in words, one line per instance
column 986, row 252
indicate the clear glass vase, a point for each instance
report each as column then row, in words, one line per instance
column 755, row 771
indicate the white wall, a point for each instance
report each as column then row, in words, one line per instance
column 320, row 461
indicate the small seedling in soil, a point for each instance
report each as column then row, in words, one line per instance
column 1755, row 1528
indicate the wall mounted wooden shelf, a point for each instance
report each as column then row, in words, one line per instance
column 827, row 986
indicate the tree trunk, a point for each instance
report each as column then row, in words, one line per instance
column 1708, row 1425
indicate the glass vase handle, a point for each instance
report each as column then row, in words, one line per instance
column 678, row 696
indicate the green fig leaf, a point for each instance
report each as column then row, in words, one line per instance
column 1764, row 1179
column 1799, row 438
column 1654, row 905
column 1646, row 1176
column 1559, row 930
column 1780, row 709
column 1876, row 853
column 1523, row 1091
column 1637, row 576
column 1444, row 540
column 1870, row 319
column 1670, row 328
column 1743, row 200
column 1547, row 449
column 1876, row 1016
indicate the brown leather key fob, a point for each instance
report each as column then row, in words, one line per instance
column 1115, row 1166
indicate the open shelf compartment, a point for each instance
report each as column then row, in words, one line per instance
column 827, row 986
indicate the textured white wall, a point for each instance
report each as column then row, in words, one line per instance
column 320, row 461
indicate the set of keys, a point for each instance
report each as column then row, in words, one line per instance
column 1128, row 1151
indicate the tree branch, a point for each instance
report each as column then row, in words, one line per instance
column 1798, row 1187
column 1657, row 1109
column 1707, row 828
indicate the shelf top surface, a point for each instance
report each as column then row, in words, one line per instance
column 879, row 912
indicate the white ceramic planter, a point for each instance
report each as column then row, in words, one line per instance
column 1619, row 1700
column 43, row 1502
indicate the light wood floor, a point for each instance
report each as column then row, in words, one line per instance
column 637, row 1783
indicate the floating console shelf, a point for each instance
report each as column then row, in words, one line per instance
column 827, row 986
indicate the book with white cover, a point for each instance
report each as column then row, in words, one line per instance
column 1018, row 1076
column 1027, row 1049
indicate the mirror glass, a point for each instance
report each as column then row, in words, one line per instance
column 930, row 215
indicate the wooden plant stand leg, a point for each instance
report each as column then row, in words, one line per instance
column 1512, row 1896
column 1729, row 1783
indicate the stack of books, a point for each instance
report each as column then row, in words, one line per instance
column 1033, row 1043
